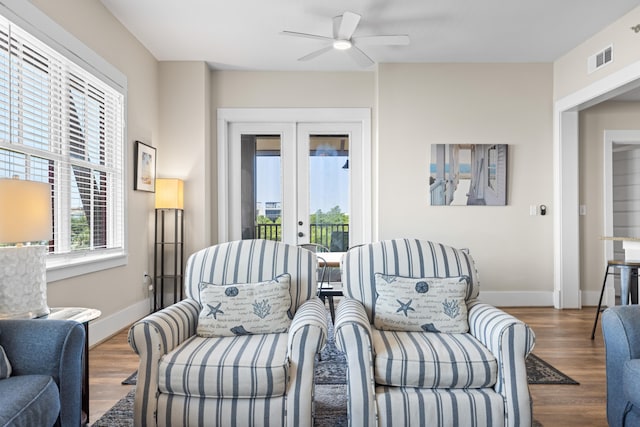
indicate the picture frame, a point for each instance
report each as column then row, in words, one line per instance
column 144, row 168
column 468, row 174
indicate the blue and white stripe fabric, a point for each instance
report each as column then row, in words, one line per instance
column 253, row 261
column 417, row 359
column 254, row 380
column 353, row 334
column 419, row 378
column 510, row 341
column 403, row 257
column 401, row 406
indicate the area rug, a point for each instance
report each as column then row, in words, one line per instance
column 541, row 372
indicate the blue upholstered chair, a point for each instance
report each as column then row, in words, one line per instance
column 424, row 377
column 254, row 380
column 45, row 385
column 621, row 331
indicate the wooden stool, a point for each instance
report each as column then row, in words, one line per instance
column 627, row 270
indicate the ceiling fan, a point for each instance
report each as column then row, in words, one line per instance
column 343, row 28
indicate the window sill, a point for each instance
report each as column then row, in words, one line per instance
column 65, row 267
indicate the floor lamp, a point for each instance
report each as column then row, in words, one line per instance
column 168, row 257
column 25, row 216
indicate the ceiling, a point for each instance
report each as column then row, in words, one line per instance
column 245, row 34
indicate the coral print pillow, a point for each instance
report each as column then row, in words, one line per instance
column 242, row 309
column 424, row 304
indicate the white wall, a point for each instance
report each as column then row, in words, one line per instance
column 423, row 104
column 119, row 292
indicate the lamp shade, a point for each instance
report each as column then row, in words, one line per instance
column 25, row 211
column 169, row 193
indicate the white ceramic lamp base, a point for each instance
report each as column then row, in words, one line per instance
column 23, row 282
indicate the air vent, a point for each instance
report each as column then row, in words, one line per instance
column 600, row 59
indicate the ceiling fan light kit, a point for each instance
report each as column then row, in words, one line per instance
column 341, row 44
column 344, row 26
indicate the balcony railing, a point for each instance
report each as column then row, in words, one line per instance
column 333, row 236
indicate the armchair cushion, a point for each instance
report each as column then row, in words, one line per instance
column 427, row 360
column 247, row 366
column 421, row 304
column 35, row 401
column 241, row 309
column 5, row 365
column 45, row 383
column 630, row 383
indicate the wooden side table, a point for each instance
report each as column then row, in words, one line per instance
column 84, row 316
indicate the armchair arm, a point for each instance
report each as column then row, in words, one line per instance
column 353, row 337
column 620, row 326
column 510, row 341
column 49, row 347
column 307, row 336
column 151, row 338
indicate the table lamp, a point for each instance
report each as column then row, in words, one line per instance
column 25, row 216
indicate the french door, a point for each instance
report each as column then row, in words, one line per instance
column 295, row 181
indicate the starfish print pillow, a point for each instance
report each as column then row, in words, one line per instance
column 421, row 304
column 245, row 309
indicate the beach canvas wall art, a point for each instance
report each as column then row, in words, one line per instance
column 468, row 174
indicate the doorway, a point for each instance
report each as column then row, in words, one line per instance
column 621, row 195
column 295, row 177
column 567, row 292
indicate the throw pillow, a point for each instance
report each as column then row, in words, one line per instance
column 5, row 366
column 242, row 309
column 422, row 304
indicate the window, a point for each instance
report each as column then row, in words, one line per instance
column 61, row 124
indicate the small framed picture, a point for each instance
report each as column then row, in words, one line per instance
column 145, row 168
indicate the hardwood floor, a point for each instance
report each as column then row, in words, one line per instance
column 562, row 339
column 110, row 362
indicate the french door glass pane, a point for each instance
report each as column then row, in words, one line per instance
column 261, row 187
column 329, row 191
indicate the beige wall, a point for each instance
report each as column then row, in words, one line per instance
column 272, row 89
column 184, row 148
column 593, row 122
column 422, row 104
column 116, row 289
column 570, row 71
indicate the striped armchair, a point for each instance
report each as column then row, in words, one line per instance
column 398, row 378
column 254, row 380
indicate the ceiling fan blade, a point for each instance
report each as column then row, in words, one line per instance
column 395, row 40
column 305, row 35
column 344, row 26
column 360, row 57
column 316, row 53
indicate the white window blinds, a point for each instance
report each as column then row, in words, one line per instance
column 59, row 124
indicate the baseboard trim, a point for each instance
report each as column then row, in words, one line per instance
column 105, row 327
column 517, row 299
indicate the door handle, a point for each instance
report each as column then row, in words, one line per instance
column 300, row 223
column 300, row 234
